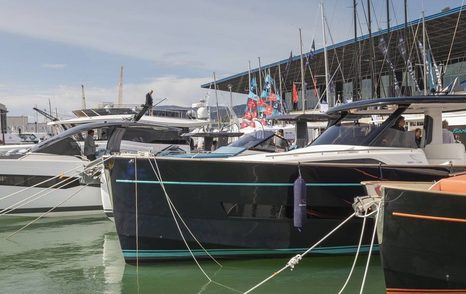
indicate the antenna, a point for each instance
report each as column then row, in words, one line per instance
column 83, row 106
column 120, row 88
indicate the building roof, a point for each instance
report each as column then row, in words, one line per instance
column 440, row 30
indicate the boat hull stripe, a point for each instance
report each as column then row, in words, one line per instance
column 429, row 217
column 238, row 184
column 235, row 252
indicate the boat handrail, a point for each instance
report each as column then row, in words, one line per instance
column 338, row 151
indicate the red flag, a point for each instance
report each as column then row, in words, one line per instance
column 251, row 104
column 295, row 94
column 272, row 97
column 268, row 110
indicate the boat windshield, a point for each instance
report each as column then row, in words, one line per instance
column 253, row 139
column 367, row 132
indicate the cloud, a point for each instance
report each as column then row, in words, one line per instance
column 54, row 66
column 203, row 34
column 65, row 98
column 190, row 38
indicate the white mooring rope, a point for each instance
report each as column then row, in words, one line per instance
column 370, row 249
column 46, row 191
column 178, row 214
column 356, row 256
column 290, row 264
column 295, row 260
column 173, row 210
column 45, row 213
column 37, row 196
column 43, row 182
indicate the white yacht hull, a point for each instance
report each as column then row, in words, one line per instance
column 49, row 185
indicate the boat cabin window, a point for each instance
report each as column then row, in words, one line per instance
column 148, row 139
column 67, row 146
column 267, row 145
column 253, row 139
column 154, row 136
column 346, row 133
column 428, row 126
column 367, row 131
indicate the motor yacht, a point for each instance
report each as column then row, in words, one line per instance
column 249, row 206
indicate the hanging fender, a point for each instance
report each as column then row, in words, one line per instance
column 300, row 201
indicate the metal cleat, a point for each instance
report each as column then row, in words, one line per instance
column 364, row 205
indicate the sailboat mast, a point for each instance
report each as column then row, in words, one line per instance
column 329, row 99
column 120, row 88
column 260, row 76
column 216, row 101
column 356, row 55
column 371, row 46
column 388, row 17
column 249, row 75
column 303, row 86
column 50, row 112
column 406, row 44
column 83, row 105
column 280, row 80
column 424, row 57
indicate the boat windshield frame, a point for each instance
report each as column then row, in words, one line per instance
column 348, row 130
column 68, row 139
column 248, row 141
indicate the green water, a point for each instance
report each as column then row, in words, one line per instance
column 82, row 255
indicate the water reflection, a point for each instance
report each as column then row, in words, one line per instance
column 83, row 255
column 312, row 275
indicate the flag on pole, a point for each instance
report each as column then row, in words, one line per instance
column 252, row 91
column 384, row 50
column 295, row 94
column 267, row 87
column 409, row 65
column 311, row 54
column 313, row 50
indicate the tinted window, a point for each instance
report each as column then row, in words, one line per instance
column 346, row 134
column 250, row 140
column 154, row 136
column 67, row 146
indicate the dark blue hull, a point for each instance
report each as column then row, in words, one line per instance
column 239, row 209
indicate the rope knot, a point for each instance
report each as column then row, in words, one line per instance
column 294, row 261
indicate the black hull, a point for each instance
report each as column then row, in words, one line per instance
column 241, row 209
column 423, row 246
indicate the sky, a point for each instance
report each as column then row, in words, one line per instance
column 49, row 48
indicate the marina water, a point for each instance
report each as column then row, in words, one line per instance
column 82, row 255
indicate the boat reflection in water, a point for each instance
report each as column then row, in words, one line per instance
column 242, row 206
column 60, row 255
